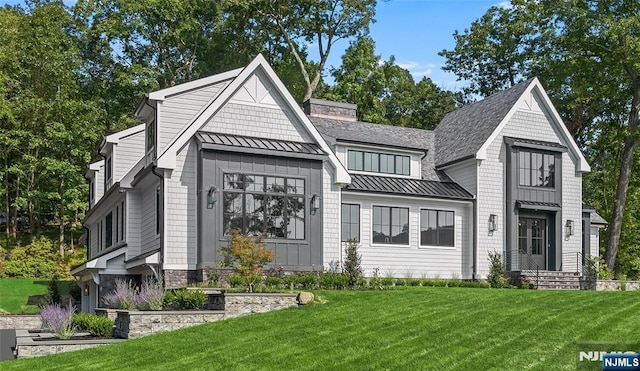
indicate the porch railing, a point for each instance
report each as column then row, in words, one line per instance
column 517, row 260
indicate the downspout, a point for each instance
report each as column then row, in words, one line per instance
column 475, row 239
column 161, row 257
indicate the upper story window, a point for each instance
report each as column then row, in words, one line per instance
column 378, row 162
column 256, row 204
column 151, row 135
column 92, row 191
column 536, row 169
column 109, row 168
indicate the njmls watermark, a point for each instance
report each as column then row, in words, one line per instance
column 608, row 355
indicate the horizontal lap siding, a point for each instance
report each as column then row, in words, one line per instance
column 129, row 151
column 133, row 220
column 176, row 112
column 415, row 260
column 99, row 184
column 181, row 230
column 148, row 236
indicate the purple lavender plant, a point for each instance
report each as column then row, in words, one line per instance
column 57, row 319
column 150, row 296
column 122, row 297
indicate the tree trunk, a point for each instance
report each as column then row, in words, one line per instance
column 626, row 164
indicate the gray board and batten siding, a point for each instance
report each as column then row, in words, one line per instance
column 292, row 254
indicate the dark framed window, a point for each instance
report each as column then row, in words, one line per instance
column 256, row 204
column 122, row 222
column 350, row 222
column 151, row 136
column 117, row 228
column 109, row 168
column 437, row 228
column 100, row 235
column 89, row 244
column 378, row 162
column 391, row 225
column 91, row 190
column 158, row 215
column 108, row 230
column 536, row 169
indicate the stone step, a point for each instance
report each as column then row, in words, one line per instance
column 554, row 280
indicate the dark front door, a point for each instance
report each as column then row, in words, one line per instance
column 532, row 241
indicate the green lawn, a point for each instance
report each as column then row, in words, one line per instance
column 23, row 295
column 412, row 328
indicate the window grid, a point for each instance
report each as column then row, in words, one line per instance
column 350, row 222
column 256, row 204
column 536, row 169
column 378, row 162
column 390, row 225
column 437, row 228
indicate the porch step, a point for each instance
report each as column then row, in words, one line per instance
column 550, row 280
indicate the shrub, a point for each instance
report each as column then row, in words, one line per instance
column 273, row 281
column 168, row 299
column 57, row 319
column 190, row 299
column 150, row 296
column 213, row 277
column 292, row 280
column 400, row 282
column 387, row 281
column 497, row 277
column 413, row 282
column 75, row 291
column 247, row 256
column 376, row 282
column 53, row 292
column 39, row 259
column 235, row 280
column 100, row 326
column 352, row 262
column 307, row 280
column 122, row 296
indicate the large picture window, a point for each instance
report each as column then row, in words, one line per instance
column 350, row 222
column 536, row 169
column 256, row 204
column 378, row 162
column 437, row 228
column 391, row 225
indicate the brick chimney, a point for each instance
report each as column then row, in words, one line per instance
column 330, row 110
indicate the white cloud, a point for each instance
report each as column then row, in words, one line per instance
column 505, row 4
column 409, row 65
column 417, row 69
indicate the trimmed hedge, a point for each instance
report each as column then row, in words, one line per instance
column 100, row 326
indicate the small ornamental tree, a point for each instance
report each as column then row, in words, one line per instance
column 246, row 256
column 351, row 264
column 497, row 270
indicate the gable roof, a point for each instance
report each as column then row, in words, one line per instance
column 167, row 158
column 468, row 131
column 359, row 132
column 461, row 133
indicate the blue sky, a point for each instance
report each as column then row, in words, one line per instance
column 414, row 31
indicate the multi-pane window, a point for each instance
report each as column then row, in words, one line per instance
column 108, row 230
column 391, row 225
column 109, row 168
column 437, row 228
column 378, row 162
column 100, row 235
column 536, row 169
column 150, row 136
column 158, row 215
column 256, row 204
column 122, row 222
column 350, row 222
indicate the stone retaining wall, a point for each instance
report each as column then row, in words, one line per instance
column 20, row 321
column 241, row 304
column 28, row 348
column 134, row 324
column 613, row 285
column 110, row 313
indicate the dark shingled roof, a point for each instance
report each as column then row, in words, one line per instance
column 462, row 132
column 382, row 135
column 409, row 187
column 259, row 143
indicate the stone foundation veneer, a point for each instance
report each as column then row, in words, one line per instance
column 21, row 322
column 241, row 303
column 176, row 279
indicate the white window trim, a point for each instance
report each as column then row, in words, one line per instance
column 436, row 247
column 359, row 221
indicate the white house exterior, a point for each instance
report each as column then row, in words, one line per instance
column 235, row 151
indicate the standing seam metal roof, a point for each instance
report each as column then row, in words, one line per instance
column 259, row 143
column 408, row 187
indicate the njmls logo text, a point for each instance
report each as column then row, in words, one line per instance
column 596, row 356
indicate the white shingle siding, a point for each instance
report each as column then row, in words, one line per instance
column 492, row 183
column 330, row 216
column 415, row 260
column 181, row 228
column 258, row 121
column 129, row 150
column 98, row 183
column 465, row 174
column 178, row 111
column 148, row 237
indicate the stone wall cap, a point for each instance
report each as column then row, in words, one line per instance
column 28, row 341
column 285, row 294
column 161, row 312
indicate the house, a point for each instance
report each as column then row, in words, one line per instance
column 235, row 151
